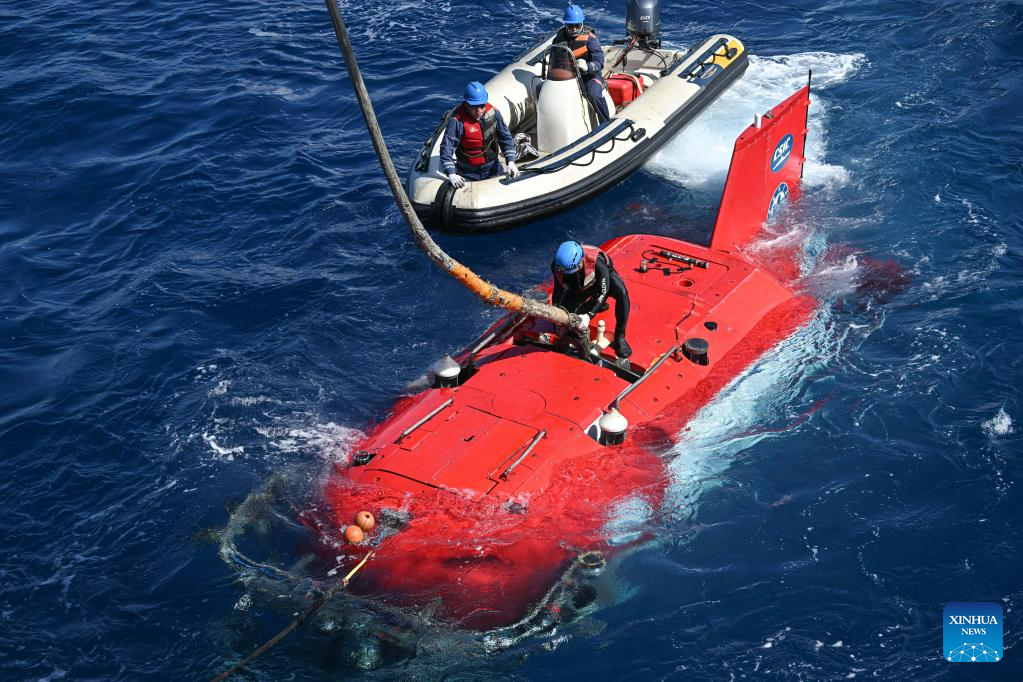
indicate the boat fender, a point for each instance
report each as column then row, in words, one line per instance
column 445, row 372
column 696, row 350
column 612, row 427
column 354, row 534
column 365, row 520
column 443, row 202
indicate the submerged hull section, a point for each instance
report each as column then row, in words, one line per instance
column 680, row 86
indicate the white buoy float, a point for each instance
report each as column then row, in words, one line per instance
column 612, row 427
column 445, row 372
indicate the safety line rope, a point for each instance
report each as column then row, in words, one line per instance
column 270, row 643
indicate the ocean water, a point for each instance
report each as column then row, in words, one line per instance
column 206, row 287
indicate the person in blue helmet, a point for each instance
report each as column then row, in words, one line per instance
column 589, row 57
column 469, row 148
column 584, row 278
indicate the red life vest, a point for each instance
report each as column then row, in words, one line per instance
column 477, row 144
column 590, row 255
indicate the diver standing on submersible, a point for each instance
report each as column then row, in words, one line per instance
column 585, row 47
column 584, row 278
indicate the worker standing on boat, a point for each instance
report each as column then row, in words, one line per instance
column 584, row 278
column 469, row 150
column 589, row 55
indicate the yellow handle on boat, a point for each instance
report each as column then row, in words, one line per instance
column 490, row 293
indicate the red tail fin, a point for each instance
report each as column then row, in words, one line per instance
column 766, row 171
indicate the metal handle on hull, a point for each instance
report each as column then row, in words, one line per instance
column 405, row 434
column 529, row 448
column 632, row 387
column 486, row 340
column 490, row 293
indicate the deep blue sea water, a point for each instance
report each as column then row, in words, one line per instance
column 206, row 285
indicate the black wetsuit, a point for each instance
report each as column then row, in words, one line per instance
column 593, row 299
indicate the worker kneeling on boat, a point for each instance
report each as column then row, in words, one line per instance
column 468, row 151
column 589, row 55
column 584, row 278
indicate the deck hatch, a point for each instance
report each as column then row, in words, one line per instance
column 467, row 450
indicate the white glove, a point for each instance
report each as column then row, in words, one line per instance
column 513, row 170
column 457, row 180
column 583, row 66
column 584, row 323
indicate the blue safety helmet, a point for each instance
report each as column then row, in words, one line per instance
column 476, row 94
column 574, row 15
column 569, row 257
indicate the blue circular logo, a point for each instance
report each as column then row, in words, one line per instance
column 781, row 153
column 780, row 196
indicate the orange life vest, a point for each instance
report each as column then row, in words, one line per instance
column 578, row 44
column 476, row 147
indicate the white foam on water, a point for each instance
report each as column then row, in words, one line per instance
column 259, row 33
column 226, row 452
column 766, row 393
column 328, row 440
column 626, row 519
column 281, row 91
column 249, row 401
column 836, row 279
column 998, row 425
column 698, row 157
column 220, row 388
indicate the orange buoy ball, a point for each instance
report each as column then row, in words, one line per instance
column 354, row 535
column 365, row 520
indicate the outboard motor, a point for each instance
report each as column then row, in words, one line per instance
column 643, row 22
column 562, row 116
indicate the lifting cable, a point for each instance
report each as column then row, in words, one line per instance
column 487, row 291
column 270, row 643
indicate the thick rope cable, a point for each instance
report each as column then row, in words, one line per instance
column 490, row 293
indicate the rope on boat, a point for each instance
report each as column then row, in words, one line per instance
column 594, row 152
column 489, row 292
column 270, row 643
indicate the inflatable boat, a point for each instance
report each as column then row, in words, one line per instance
column 565, row 157
column 477, row 493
